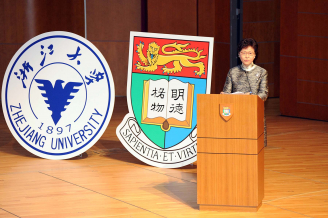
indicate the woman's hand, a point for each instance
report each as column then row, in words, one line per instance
column 222, row 93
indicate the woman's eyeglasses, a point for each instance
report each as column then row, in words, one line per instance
column 251, row 54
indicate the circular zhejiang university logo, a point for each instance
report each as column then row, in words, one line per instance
column 58, row 95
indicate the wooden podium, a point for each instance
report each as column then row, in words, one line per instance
column 230, row 154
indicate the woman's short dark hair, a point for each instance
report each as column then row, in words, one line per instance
column 248, row 42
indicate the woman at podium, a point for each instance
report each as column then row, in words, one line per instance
column 248, row 78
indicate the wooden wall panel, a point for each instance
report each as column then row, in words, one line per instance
column 311, row 92
column 221, row 60
column 312, row 24
column 276, row 91
column 59, row 15
column 172, row 17
column 260, row 31
column 271, row 88
column 288, row 27
column 214, row 21
column 2, row 21
column 24, row 19
column 109, row 23
column 263, row 11
column 261, row 22
column 110, row 20
column 313, row 70
column 13, row 30
column 312, row 47
column 20, row 20
column 116, row 54
column 276, row 69
column 14, row 22
column 288, row 84
column 221, row 65
column 288, row 59
column 7, row 51
column 206, row 18
column 222, row 21
column 313, row 6
column 311, row 111
column 277, row 21
column 266, row 53
column 307, row 41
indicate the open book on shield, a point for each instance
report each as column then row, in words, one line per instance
column 167, row 103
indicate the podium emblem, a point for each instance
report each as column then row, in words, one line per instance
column 226, row 111
column 166, row 72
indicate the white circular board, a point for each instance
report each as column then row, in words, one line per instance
column 58, row 95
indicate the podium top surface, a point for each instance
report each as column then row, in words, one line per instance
column 230, row 116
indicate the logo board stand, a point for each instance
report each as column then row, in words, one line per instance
column 230, row 152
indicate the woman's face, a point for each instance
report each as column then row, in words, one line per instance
column 247, row 55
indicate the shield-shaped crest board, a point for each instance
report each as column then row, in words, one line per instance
column 226, row 111
column 165, row 74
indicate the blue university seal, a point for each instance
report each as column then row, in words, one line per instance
column 57, row 95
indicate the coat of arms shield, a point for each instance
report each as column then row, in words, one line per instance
column 226, row 111
column 165, row 74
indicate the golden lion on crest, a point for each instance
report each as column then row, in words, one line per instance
column 154, row 59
